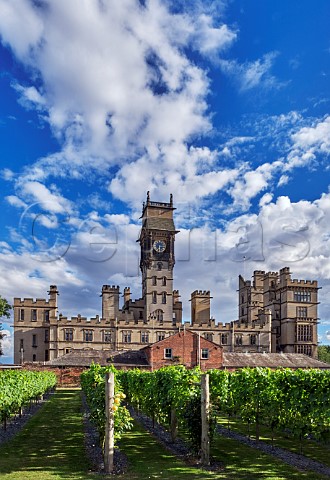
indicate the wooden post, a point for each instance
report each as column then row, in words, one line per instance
column 174, row 425
column 109, row 422
column 205, row 414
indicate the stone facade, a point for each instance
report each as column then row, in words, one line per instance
column 275, row 312
column 292, row 305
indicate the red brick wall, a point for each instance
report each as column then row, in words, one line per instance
column 184, row 347
column 66, row 376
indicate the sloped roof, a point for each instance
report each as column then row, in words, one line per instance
column 271, row 360
column 84, row 358
column 137, row 359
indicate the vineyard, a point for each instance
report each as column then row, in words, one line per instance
column 170, row 403
column 296, row 402
column 19, row 387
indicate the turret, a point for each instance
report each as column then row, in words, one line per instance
column 200, row 307
column 53, row 292
column 110, row 302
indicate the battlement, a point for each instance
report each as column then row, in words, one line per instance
column 200, row 293
column 69, row 321
column 30, row 302
column 110, row 289
column 271, row 274
column 304, row 283
column 285, row 270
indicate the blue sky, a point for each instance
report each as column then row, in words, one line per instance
column 224, row 104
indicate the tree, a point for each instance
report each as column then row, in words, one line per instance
column 323, row 353
column 4, row 312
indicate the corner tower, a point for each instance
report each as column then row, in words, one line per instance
column 157, row 260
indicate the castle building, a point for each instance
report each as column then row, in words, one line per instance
column 275, row 313
column 292, row 305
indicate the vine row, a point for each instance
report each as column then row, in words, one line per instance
column 93, row 385
column 19, row 387
column 296, row 401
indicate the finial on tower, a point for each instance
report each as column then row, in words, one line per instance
column 171, row 200
column 148, row 197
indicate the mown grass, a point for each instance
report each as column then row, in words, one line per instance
column 50, row 447
column 311, row 449
column 240, row 462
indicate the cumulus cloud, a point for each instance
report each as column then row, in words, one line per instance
column 126, row 92
column 308, row 143
column 103, row 250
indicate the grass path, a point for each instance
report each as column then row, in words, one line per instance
column 50, row 447
column 314, row 450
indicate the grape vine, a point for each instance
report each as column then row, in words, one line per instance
column 93, row 385
column 19, row 387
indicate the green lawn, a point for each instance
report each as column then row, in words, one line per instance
column 241, row 462
column 50, row 447
column 51, row 444
column 316, row 451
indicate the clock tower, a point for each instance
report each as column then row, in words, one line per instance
column 157, row 261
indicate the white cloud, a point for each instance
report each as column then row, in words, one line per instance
column 15, row 15
column 282, row 233
column 122, row 93
column 30, row 97
column 209, row 39
column 302, row 146
column 49, row 201
column 284, row 179
column 7, row 344
column 309, row 143
column 15, row 201
column 267, row 198
column 7, row 174
column 250, row 75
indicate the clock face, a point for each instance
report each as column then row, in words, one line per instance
column 159, row 246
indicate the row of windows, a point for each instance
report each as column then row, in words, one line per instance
column 302, row 312
column 43, row 315
column 302, row 296
column 305, row 349
column 154, row 297
column 145, row 337
column 154, row 281
column 239, row 339
column 304, row 333
column 108, row 337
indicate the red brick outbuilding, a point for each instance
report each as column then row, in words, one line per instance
column 184, row 348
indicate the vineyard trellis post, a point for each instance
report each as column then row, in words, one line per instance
column 109, row 423
column 205, row 414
